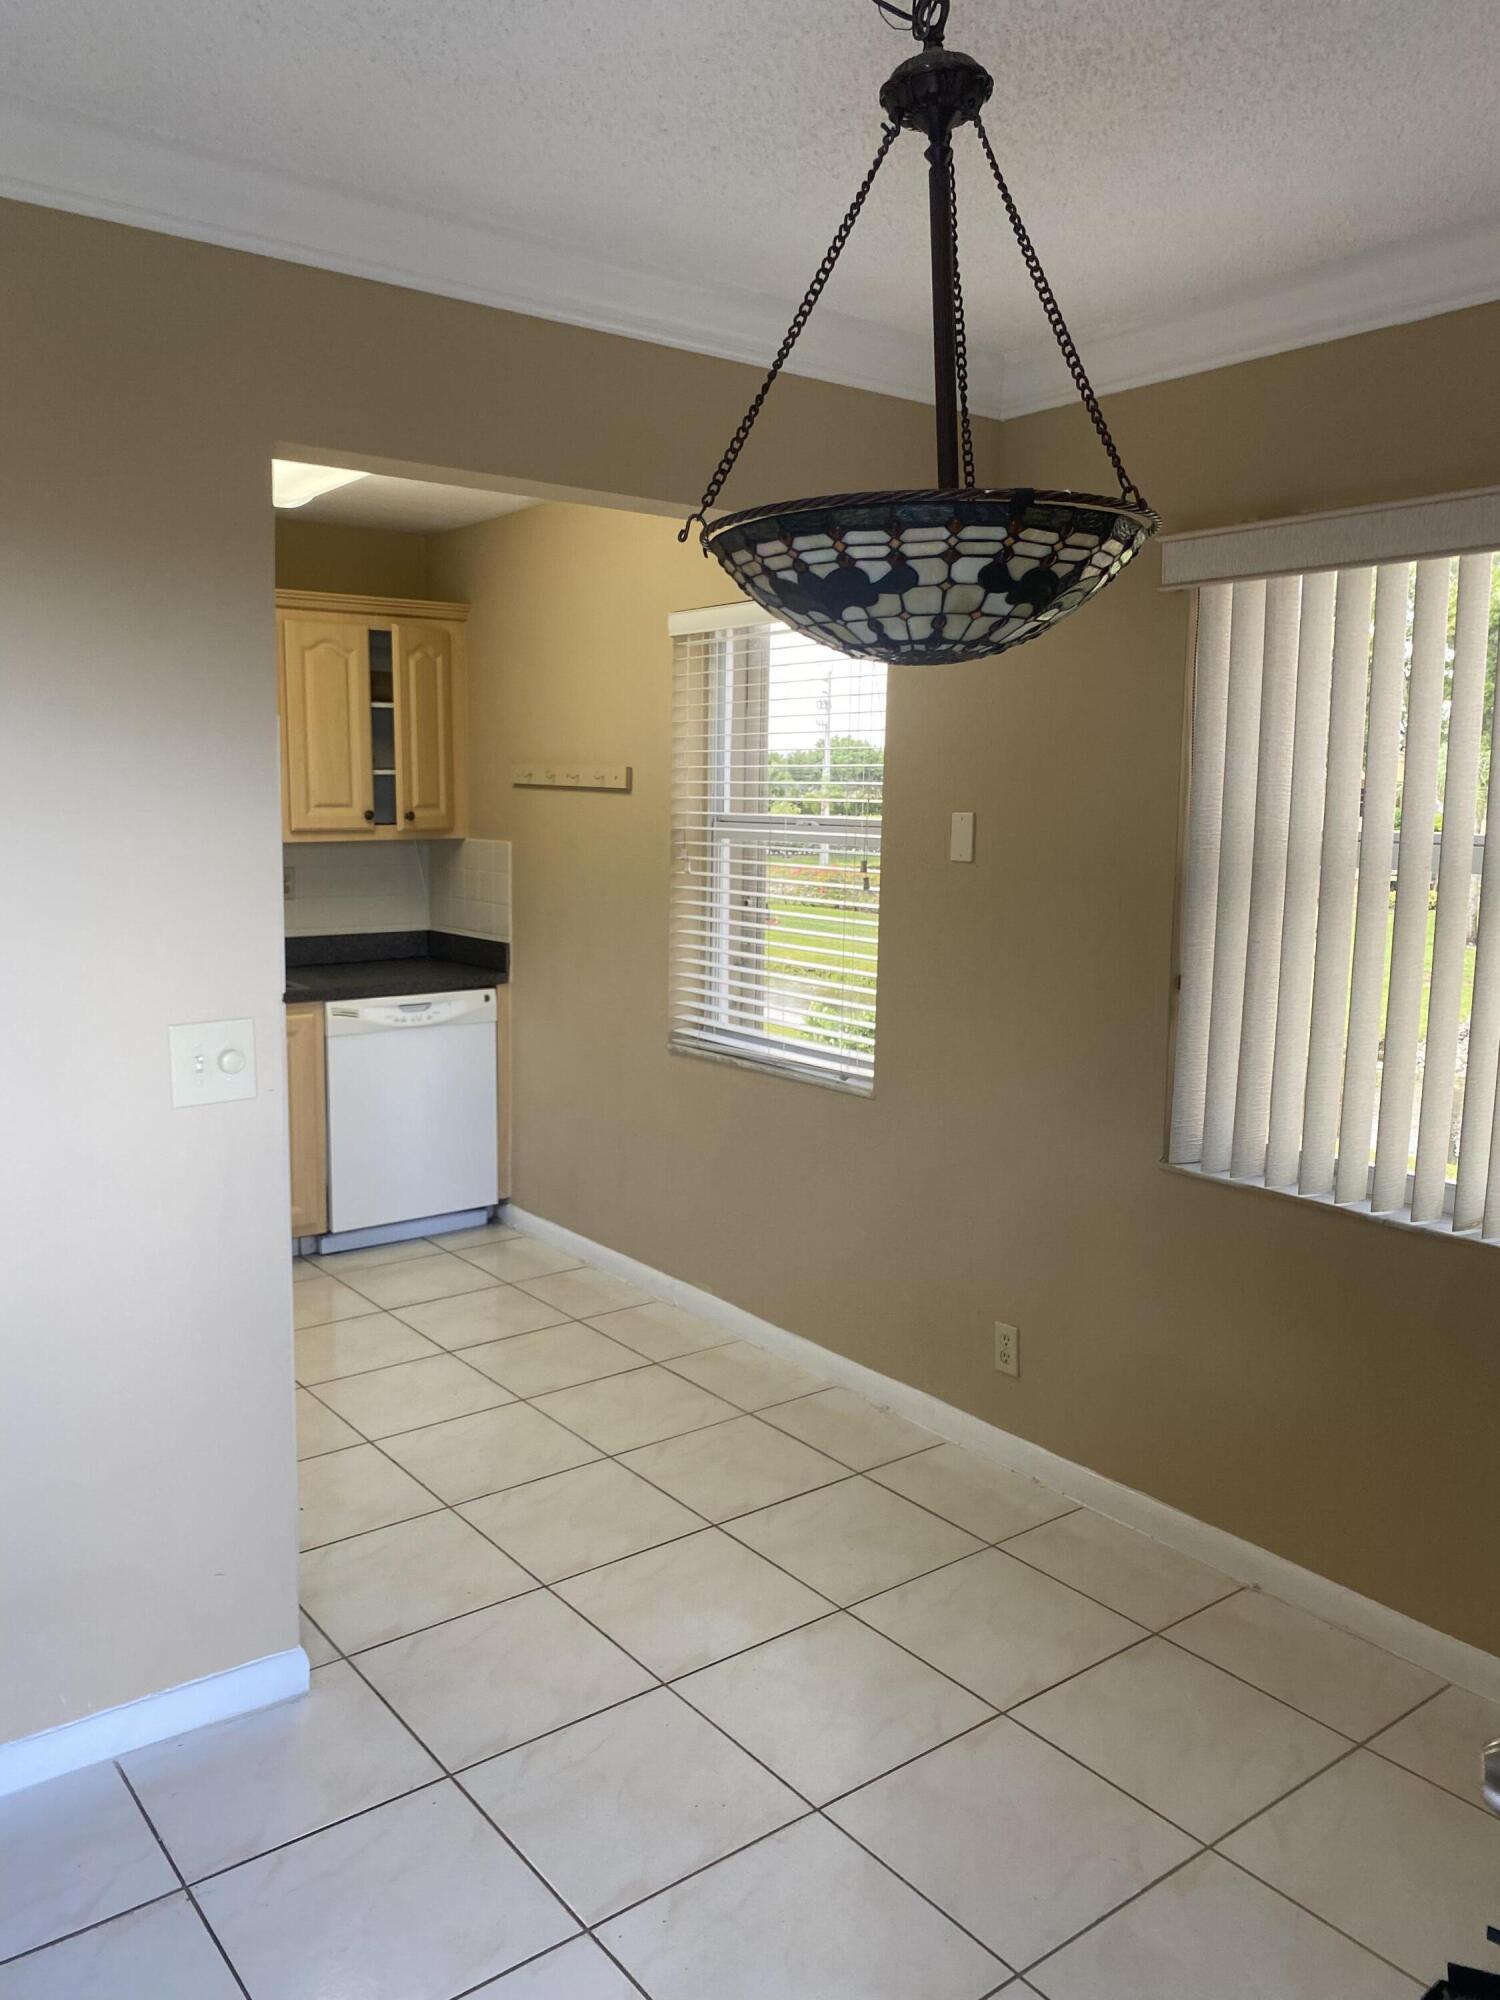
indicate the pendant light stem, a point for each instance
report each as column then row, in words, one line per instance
column 944, row 318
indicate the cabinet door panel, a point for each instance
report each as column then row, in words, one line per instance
column 326, row 712
column 425, row 697
column 307, row 1119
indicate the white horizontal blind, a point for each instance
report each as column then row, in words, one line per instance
column 779, row 751
column 1339, row 1009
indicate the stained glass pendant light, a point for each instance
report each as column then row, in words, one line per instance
column 957, row 572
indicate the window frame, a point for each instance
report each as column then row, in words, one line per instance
column 737, row 718
column 1444, row 527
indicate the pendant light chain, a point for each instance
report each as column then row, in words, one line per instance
column 960, row 339
column 1129, row 491
column 888, row 137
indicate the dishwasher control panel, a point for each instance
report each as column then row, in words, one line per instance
column 428, row 1010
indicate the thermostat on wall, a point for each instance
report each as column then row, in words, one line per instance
column 572, row 775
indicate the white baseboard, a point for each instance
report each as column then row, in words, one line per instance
column 114, row 1731
column 1440, row 1653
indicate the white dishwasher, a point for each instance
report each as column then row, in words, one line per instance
column 413, row 1129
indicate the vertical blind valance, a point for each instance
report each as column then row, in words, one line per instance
column 779, row 750
column 1338, row 1030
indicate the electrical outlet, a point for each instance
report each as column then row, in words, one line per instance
column 1007, row 1348
column 288, row 882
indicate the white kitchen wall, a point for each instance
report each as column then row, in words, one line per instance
column 340, row 886
column 471, row 887
column 450, row 885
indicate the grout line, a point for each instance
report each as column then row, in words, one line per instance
column 1025, row 1971
column 98, row 1923
column 1337, row 1930
column 323, row 1826
column 171, row 1861
column 948, row 1915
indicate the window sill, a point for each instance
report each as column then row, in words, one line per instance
column 786, row 1072
column 1358, row 1211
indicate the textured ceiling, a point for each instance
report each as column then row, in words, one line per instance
column 1174, row 158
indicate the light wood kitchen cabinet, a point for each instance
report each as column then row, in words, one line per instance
column 374, row 707
column 307, row 1117
column 424, row 727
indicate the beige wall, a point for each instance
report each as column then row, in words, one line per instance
column 330, row 555
column 1322, row 1386
column 146, row 1475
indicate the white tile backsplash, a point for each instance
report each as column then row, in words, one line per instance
column 451, row 885
column 471, row 888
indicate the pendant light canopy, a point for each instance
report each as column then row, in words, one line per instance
column 960, row 571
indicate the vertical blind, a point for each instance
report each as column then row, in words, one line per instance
column 779, row 749
column 1338, row 1022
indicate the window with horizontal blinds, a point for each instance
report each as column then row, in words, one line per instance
column 1338, row 1022
column 779, row 750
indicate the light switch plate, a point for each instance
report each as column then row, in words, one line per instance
column 961, row 837
column 213, row 1062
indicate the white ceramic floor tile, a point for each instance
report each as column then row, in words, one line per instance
column 627, row 1410
column 344, row 1263
column 520, row 1258
column 418, row 1900
column 559, row 1357
column 1212, row 1929
column 747, row 1376
column 997, row 1627
column 618, row 1806
column 319, row 1299
column 853, row 1539
column 319, row 1430
column 73, row 1851
column 317, row 1647
column 691, row 1602
column 1343, row 1681
column 585, row 1294
column 849, row 1429
column 1444, row 1740
column 578, row 1970
column 832, row 1706
column 483, row 1236
column 803, row 1915
column 420, row 1280
column 219, row 1795
column 580, row 1519
column 350, row 1492
column 484, row 1683
column 1393, row 1860
column 325, row 1353
column 734, row 1468
column 302, row 1268
column 1193, row 1743
column 1127, row 1571
column 1013, row 1839
column 990, row 1501
column 484, row 1453
column 475, row 1317
column 659, row 1331
column 161, row 1952
column 383, row 1585
column 412, row 1394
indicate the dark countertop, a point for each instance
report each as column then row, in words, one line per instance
column 395, row 963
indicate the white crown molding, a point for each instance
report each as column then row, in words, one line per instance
column 91, row 168
column 1414, row 280
column 95, row 169
column 1248, row 1564
column 113, row 1732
